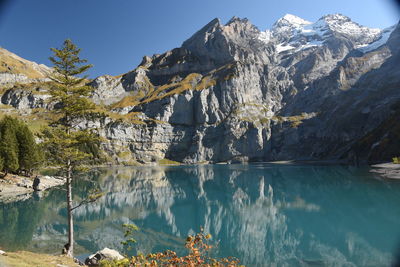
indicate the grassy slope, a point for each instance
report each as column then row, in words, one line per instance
column 29, row 259
column 12, row 63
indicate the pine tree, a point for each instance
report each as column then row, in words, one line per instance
column 18, row 149
column 9, row 144
column 66, row 140
column 29, row 156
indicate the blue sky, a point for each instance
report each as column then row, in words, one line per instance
column 115, row 34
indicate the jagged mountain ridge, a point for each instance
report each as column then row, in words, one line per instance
column 231, row 92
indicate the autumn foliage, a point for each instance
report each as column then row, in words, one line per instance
column 198, row 255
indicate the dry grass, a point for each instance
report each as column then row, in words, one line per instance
column 35, row 121
column 130, row 117
column 295, row 121
column 148, row 93
column 38, row 119
column 168, row 162
column 29, row 259
column 193, row 81
column 127, row 101
column 13, row 64
column 188, row 83
column 205, row 83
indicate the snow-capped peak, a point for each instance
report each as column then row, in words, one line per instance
column 292, row 20
column 291, row 32
column 344, row 25
column 335, row 17
column 288, row 23
column 285, row 26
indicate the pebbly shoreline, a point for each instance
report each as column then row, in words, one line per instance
column 16, row 188
column 387, row 170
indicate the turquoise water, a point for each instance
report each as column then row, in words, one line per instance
column 264, row 214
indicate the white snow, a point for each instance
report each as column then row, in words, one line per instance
column 318, row 28
column 344, row 25
column 295, row 33
column 265, row 36
column 283, row 47
column 311, row 44
column 378, row 43
column 294, row 20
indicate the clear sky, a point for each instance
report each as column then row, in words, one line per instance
column 115, row 34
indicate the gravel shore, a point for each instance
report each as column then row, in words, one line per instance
column 16, row 188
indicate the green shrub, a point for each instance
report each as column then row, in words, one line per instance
column 396, row 160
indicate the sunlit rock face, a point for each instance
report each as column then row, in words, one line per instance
column 299, row 90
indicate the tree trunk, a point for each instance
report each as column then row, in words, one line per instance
column 70, row 249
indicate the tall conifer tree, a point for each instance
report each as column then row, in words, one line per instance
column 66, row 139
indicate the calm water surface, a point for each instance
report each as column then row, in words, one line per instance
column 264, row 214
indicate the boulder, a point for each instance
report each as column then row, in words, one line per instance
column 41, row 183
column 105, row 254
column 36, row 183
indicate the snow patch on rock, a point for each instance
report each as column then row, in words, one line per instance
column 384, row 37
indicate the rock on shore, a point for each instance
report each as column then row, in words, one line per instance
column 16, row 188
column 105, row 254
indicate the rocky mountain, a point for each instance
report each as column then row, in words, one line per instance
column 233, row 93
column 14, row 69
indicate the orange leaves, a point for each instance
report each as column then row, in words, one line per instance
column 198, row 256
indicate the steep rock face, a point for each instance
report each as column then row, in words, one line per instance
column 300, row 90
column 294, row 92
column 24, row 99
column 220, row 44
column 353, row 100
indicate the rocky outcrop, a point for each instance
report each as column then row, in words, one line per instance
column 26, row 100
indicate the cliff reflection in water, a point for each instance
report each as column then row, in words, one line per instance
column 259, row 213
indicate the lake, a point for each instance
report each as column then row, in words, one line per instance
column 263, row 214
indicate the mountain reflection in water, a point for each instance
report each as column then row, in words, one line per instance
column 263, row 214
